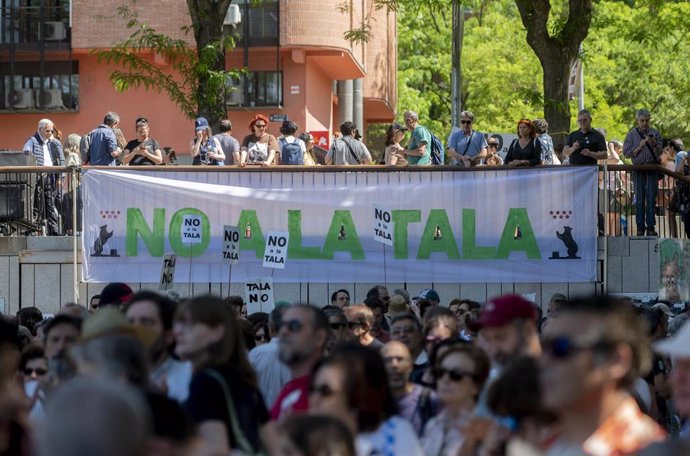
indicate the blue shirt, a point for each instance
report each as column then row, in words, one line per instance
column 474, row 143
column 420, row 136
column 103, row 143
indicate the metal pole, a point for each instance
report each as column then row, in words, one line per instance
column 456, row 71
column 581, row 87
column 605, row 274
column 75, row 253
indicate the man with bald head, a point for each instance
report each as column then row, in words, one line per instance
column 416, row 403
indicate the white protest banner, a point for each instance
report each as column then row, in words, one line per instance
column 539, row 226
column 258, row 295
column 275, row 252
column 191, row 229
column 167, row 272
column 383, row 225
column 231, row 244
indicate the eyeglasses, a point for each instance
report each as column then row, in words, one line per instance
column 493, row 145
column 583, row 120
column 337, row 326
column 454, row 374
column 564, row 347
column 39, row 371
column 354, row 324
column 322, row 390
column 260, row 337
column 465, row 122
column 294, row 326
column 260, row 125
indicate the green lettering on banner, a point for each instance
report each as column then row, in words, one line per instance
column 445, row 243
column 249, row 223
column 401, row 218
column 296, row 250
column 470, row 249
column 154, row 239
column 517, row 217
column 350, row 243
column 175, row 234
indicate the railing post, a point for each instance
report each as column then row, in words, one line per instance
column 75, row 286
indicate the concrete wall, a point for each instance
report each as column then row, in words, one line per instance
column 38, row 271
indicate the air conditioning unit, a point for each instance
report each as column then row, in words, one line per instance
column 233, row 16
column 20, row 99
column 234, row 94
column 54, row 31
column 49, row 99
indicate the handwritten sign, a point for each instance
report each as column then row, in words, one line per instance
column 258, row 295
column 275, row 252
column 167, row 272
column 231, row 244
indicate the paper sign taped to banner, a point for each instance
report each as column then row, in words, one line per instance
column 167, row 272
column 383, row 225
column 258, row 295
column 231, row 244
column 275, row 252
column 191, row 229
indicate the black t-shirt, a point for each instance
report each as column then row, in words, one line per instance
column 151, row 144
column 592, row 140
column 531, row 152
column 206, row 402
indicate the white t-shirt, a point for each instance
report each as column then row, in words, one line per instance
column 395, row 437
column 176, row 376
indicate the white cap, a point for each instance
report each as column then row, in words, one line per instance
column 677, row 346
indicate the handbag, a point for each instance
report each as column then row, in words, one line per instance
column 244, row 448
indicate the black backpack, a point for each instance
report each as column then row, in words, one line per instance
column 291, row 153
column 436, row 151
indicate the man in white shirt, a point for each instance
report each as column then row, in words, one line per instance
column 272, row 373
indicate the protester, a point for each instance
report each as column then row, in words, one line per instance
column 351, row 384
column 467, row 146
column 548, row 155
column 340, row 298
column 207, row 334
column 310, row 158
column 593, row 351
column 394, row 153
column 360, row 322
column 114, row 294
column 586, row 145
column 259, row 147
column 304, row 333
column 103, row 147
column 678, row 349
column 416, row 403
column 205, row 149
column 347, row 150
column 407, row 329
column 292, row 149
column 143, row 150
column 228, row 143
column 271, row 372
column 418, row 149
column 526, row 150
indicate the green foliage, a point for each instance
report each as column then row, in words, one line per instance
column 180, row 79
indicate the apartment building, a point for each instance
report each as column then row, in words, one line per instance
column 299, row 66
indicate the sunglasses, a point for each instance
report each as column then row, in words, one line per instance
column 337, row 326
column 454, row 374
column 564, row 347
column 260, row 125
column 465, row 122
column 353, row 324
column 493, row 145
column 294, row 326
column 322, row 390
column 38, row 371
column 260, row 337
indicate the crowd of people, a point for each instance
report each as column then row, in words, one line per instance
column 145, row 373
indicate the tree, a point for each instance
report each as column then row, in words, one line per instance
column 557, row 47
column 196, row 80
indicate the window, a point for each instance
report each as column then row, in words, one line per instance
column 43, row 86
column 256, row 88
column 34, row 23
column 259, row 25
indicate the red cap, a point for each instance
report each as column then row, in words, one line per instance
column 504, row 309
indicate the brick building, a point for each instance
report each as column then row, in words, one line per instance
column 299, row 65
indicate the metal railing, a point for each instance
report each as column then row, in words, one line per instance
column 31, row 198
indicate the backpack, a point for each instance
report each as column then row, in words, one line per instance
column 291, row 153
column 84, row 145
column 436, row 151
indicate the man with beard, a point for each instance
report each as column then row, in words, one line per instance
column 155, row 312
column 304, row 333
column 416, row 403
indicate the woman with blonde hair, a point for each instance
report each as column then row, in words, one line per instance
column 71, row 149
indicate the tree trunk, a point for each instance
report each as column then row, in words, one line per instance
column 556, row 103
column 207, row 23
column 556, row 53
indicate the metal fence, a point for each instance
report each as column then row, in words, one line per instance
column 47, row 201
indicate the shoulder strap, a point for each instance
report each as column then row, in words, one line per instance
column 240, row 438
column 352, row 152
column 469, row 143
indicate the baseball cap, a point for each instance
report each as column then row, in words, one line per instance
column 115, row 293
column 504, row 309
column 559, row 297
column 429, row 294
column 200, row 124
column 677, row 346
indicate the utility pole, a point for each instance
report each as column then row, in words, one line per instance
column 456, row 71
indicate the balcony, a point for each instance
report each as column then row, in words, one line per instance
column 35, row 28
